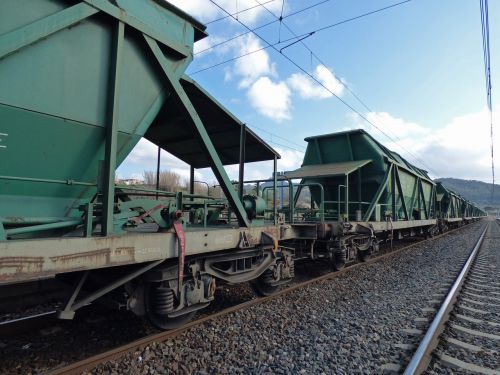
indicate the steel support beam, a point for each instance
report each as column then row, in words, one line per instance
column 191, row 115
column 191, row 180
column 318, row 151
column 35, row 31
column 421, row 190
column 158, row 171
column 115, row 284
column 114, row 11
column 241, row 177
column 400, row 190
column 275, row 180
column 393, row 195
column 347, row 196
column 112, row 132
column 359, row 189
column 378, row 194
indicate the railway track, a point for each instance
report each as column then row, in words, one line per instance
column 464, row 336
column 27, row 323
column 119, row 352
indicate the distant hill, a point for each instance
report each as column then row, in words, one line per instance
column 475, row 191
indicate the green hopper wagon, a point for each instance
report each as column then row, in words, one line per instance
column 360, row 190
column 81, row 82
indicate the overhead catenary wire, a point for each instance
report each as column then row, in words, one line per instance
column 313, row 54
column 270, row 45
column 258, row 27
column 237, row 13
column 273, row 135
column 314, row 78
column 485, row 31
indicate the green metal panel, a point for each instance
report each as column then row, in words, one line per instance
column 25, row 12
column 448, row 203
column 406, row 193
column 60, row 90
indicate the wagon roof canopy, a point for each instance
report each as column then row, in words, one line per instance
column 324, row 170
column 173, row 133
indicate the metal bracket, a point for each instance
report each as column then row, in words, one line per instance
column 244, row 243
column 268, row 238
column 71, row 306
column 88, row 210
column 68, row 313
column 3, row 235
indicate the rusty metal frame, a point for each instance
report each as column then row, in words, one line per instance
column 71, row 306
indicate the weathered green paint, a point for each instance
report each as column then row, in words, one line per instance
column 33, row 32
column 405, row 189
column 378, row 194
column 401, row 194
column 61, row 93
column 449, row 203
column 112, row 131
column 139, row 20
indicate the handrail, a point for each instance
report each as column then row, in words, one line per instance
column 49, row 181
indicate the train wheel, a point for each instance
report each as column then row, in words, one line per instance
column 364, row 255
column 159, row 302
column 263, row 286
column 339, row 259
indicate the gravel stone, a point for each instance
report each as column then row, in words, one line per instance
column 489, row 356
column 349, row 324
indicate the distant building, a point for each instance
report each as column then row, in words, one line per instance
column 129, row 181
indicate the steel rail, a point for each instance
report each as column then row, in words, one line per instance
column 421, row 358
column 26, row 323
column 120, row 352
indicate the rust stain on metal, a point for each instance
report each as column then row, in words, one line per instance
column 22, row 264
column 14, row 219
column 125, row 252
column 101, row 255
column 252, row 240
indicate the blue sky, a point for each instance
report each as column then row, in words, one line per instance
column 417, row 66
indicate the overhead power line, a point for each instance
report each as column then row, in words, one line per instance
column 301, row 41
column 485, row 30
column 270, row 45
column 238, row 13
column 315, row 79
column 273, row 135
column 258, row 27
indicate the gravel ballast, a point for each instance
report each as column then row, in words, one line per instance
column 359, row 322
column 486, row 318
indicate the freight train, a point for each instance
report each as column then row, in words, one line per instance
column 81, row 82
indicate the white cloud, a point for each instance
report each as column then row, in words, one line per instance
column 143, row 158
column 270, row 99
column 204, row 45
column 290, row 159
column 255, row 65
column 406, row 135
column 206, row 11
column 201, row 9
column 309, row 89
column 460, row 149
